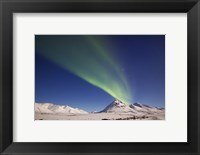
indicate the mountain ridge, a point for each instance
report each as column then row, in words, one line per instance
column 114, row 107
column 120, row 107
column 57, row 109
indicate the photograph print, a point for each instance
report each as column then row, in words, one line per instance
column 99, row 77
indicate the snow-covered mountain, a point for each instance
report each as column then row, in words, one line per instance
column 146, row 108
column 49, row 108
column 138, row 108
column 118, row 107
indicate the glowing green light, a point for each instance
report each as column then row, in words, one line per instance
column 90, row 58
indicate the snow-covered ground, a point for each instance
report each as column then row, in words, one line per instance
column 99, row 116
column 114, row 111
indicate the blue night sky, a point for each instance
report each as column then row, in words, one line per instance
column 139, row 62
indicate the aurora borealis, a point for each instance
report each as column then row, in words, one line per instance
column 88, row 58
column 94, row 60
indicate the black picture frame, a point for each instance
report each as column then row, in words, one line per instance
column 8, row 7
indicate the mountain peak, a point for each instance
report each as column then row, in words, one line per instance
column 118, row 103
column 117, row 107
column 138, row 104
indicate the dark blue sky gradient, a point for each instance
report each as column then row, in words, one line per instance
column 142, row 58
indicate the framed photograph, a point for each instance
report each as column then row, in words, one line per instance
column 97, row 74
column 103, row 77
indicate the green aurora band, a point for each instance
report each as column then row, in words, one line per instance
column 90, row 58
